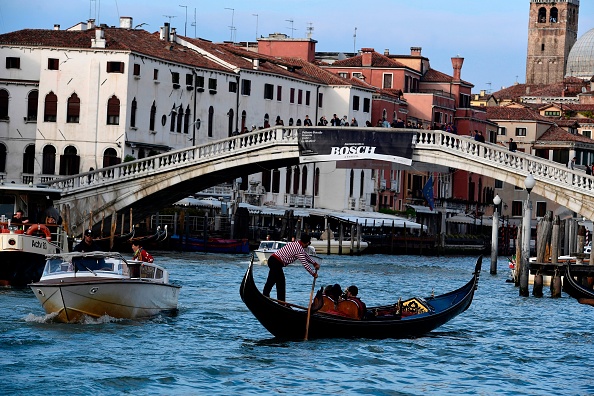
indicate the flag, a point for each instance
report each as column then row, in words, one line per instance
column 428, row 192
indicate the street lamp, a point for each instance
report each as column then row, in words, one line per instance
column 529, row 183
column 494, row 235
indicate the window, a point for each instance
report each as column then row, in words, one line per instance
column 268, row 91
column 292, row 96
column 275, row 181
column 300, row 96
column 115, row 67
column 210, row 121
column 498, row 183
column 587, row 134
column 516, row 208
column 387, row 81
column 189, row 80
column 113, row 111
column 355, row 103
column 136, row 70
column 187, row 120
column 13, row 63
column 173, row 114
column 212, row 84
column 180, row 118
column 73, row 110
column 343, row 75
column 3, row 104
column 366, row 105
column 464, row 101
column 520, row 131
column 32, row 99
column 152, row 117
column 175, row 79
column 246, row 87
column 502, row 131
column 133, row 109
column 232, row 86
column 279, row 93
column 70, row 161
column 357, row 74
column 51, row 107
column 320, row 100
column 155, row 74
column 541, row 209
column 307, row 97
column 110, row 157
column 550, row 113
column 29, row 159
column 48, row 166
column 200, row 82
column 53, row 64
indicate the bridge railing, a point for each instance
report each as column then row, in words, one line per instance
column 500, row 157
column 176, row 158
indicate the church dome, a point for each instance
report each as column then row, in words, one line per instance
column 580, row 62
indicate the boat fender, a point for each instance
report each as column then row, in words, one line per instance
column 40, row 227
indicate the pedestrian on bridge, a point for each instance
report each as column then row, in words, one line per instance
column 513, row 146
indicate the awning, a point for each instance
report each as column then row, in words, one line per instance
column 422, row 209
column 206, row 203
column 465, row 219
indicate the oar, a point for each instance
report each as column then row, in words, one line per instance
column 313, row 286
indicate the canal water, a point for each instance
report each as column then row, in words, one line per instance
column 502, row 345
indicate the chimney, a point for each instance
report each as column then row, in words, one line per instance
column 457, row 65
column 173, row 35
column 387, row 52
column 126, row 22
column 164, row 35
column 91, row 24
column 256, row 64
column 415, row 51
column 56, row 26
column 366, row 56
column 99, row 40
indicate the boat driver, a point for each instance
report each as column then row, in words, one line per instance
column 284, row 256
column 87, row 244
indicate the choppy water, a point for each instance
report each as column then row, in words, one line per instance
column 502, row 345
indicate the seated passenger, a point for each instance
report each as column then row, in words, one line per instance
column 331, row 297
column 351, row 305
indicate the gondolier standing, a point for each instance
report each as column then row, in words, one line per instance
column 286, row 255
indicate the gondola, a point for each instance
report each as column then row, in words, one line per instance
column 105, row 243
column 575, row 289
column 288, row 321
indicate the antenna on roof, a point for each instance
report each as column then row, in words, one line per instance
column 489, row 90
column 292, row 28
column 194, row 23
column 310, row 30
column 170, row 17
column 355, row 41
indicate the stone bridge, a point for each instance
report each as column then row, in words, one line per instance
column 148, row 184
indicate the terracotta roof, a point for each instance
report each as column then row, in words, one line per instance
column 570, row 87
column 433, row 75
column 514, row 114
column 132, row 40
column 377, row 60
column 558, row 134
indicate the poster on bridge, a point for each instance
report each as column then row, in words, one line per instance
column 355, row 144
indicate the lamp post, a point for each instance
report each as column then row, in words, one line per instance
column 494, row 235
column 529, row 183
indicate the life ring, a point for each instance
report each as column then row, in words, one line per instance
column 40, row 227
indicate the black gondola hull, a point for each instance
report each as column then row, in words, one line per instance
column 287, row 323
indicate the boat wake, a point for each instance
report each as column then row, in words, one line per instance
column 86, row 320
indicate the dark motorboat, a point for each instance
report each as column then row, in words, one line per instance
column 575, row 289
column 411, row 318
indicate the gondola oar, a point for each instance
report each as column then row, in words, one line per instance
column 313, row 286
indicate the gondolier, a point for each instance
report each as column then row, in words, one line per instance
column 289, row 253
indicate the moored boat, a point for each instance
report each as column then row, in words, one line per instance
column 267, row 248
column 94, row 284
column 213, row 245
column 321, row 246
column 23, row 246
column 288, row 321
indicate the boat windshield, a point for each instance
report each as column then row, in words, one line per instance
column 107, row 264
column 266, row 244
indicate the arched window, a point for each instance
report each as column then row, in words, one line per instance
column 298, row 122
column 73, row 110
column 542, row 15
column 180, row 118
column 266, row 179
column 110, row 157
column 296, row 180
column 3, row 104
column 554, row 15
column 304, row 180
column 32, row 100
column 173, row 114
column 51, row 107
column 133, row 109
column 288, row 180
column 152, row 117
column 291, row 121
column 113, row 111
column 361, row 183
column 49, row 160
column 351, row 183
column 243, row 120
column 210, row 120
column 384, row 114
column 70, row 161
column 266, row 121
column 276, row 181
column 29, row 159
column 231, row 114
column 2, row 158
column 187, row 120
column 317, row 182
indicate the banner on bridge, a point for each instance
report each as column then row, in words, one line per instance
column 355, row 144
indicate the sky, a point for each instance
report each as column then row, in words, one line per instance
column 490, row 36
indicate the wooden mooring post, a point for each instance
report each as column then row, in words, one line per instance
column 555, row 237
column 543, row 238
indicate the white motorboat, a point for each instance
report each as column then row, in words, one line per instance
column 103, row 283
column 24, row 246
column 321, row 246
column 267, row 248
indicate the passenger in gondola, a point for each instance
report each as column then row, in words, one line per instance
column 87, row 244
column 284, row 256
column 140, row 254
column 350, row 294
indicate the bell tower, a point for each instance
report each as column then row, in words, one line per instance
column 552, row 31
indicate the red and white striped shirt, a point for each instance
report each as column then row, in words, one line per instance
column 293, row 251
